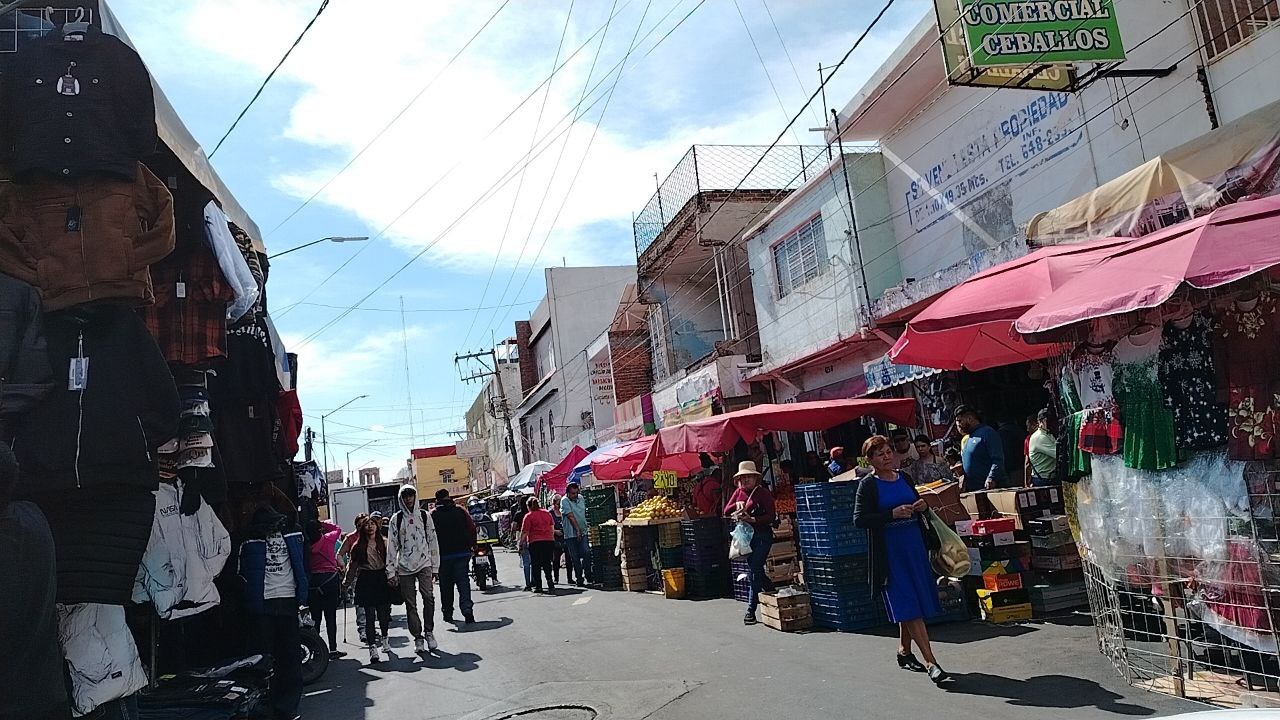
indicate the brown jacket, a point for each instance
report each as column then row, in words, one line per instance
column 86, row 240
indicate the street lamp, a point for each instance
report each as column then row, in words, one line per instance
column 349, row 452
column 336, row 239
column 324, row 442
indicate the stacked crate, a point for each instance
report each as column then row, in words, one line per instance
column 637, row 549
column 670, row 547
column 836, row 562
column 998, row 568
column 602, row 507
column 1055, row 558
column 705, row 553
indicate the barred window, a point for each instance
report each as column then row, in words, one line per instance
column 1224, row 24
column 800, row 257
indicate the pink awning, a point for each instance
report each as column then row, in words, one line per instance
column 971, row 325
column 558, row 477
column 620, row 463
column 1228, row 244
column 720, row 433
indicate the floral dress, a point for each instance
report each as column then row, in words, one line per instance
column 1190, row 382
column 1148, row 423
column 1249, row 347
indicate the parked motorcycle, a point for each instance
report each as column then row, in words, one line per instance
column 315, row 653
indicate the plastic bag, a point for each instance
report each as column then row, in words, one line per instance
column 951, row 559
column 740, row 540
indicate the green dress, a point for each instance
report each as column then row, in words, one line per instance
column 1149, row 437
column 1073, row 417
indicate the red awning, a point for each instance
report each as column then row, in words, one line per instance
column 1228, row 244
column 558, row 477
column 620, row 463
column 970, row 325
column 720, row 433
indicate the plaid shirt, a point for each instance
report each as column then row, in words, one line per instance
column 190, row 330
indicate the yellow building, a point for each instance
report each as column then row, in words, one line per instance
column 440, row 467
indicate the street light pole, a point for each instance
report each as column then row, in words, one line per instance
column 324, row 439
column 349, row 452
column 336, row 239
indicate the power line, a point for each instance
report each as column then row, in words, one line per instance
column 319, row 11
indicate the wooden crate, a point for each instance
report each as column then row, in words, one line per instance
column 794, row 615
column 773, row 600
column 783, row 549
column 782, row 569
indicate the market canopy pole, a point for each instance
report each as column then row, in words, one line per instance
column 720, row 433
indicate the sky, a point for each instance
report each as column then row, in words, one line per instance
column 471, row 161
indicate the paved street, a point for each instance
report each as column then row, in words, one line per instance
column 630, row 656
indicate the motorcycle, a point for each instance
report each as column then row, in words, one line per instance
column 483, row 565
column 315, row 653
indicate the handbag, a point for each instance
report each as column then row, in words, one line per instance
column 950, row 557
column 395, row 595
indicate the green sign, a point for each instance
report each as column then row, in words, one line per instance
column 1016, row 32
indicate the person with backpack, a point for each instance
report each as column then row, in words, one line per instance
column 413, row 560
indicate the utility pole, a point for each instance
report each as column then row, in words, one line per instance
column 503, row 412
column 308, row 444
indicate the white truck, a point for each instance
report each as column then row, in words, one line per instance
column 346, row 503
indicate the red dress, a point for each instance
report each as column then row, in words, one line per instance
column 1250, row 350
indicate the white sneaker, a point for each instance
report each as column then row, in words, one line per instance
column 431, row 642
column 386, row 645
column 419, row 645
column 373, row 654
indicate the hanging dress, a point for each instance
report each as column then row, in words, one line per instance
column 1189, row 379
column 1148, row 422
column 1074, row 461
column 1248, row 344
column 1101, row 432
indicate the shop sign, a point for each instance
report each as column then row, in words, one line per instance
column 960, row 70
column 471, row 449
column 1016, row 32
column 664, row 480
column 882, row 374
column 602, row 380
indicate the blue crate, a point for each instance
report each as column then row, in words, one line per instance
column 827, row 490
column 816, row 540
column 819, row 525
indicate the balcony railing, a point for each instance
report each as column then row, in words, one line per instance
column 724, row 167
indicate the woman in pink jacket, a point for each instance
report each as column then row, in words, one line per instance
column 326, row 581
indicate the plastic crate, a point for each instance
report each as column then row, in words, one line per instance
column 671, row 557
column 715, row 554
column 831, row 540
column 703, row 530
column 847, row 611
column 818, row 497
column 836, row 573
column 706, row 585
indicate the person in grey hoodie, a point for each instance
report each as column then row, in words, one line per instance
column 413, row 559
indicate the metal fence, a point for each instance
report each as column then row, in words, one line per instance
column 724, row 167
column 1225, row 24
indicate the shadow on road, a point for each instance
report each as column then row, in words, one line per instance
column 481, row 625
column 497, row 590
column 462, row 662
column 1045, row 691
column 970, row 632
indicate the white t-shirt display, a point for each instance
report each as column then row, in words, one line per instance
column 279, row 581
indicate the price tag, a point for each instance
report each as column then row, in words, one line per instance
column 78, row 374
column 664, row 479
column 181, row 290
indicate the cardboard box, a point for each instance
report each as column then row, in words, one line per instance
column 994, row 526
column 1012, row 613
column 1003, row 581
column 1059, row 577
column 1048, row 525
column 964, row 528
column 979, row 566
column 1068, row 549
column 1002, row 539
column 1056, row 562
column 993, row 600
column 1055, row 540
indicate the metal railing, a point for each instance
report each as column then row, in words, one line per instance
column 1224, row 24
column 724, row 167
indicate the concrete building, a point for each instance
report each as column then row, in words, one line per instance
column 486, row 448
column 621, row 369
column 556, row 410
column 946, row 180
column 440, row 467
column 694, row 275
column 370, row 476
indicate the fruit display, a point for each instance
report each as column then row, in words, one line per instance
column 656, row 508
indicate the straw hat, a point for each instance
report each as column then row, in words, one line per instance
column 747, row 467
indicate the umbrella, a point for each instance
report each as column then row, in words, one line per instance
column 1228, row 244
column 620, row 463
column 970, row 325
column 558, row 477
column 584, row 466
column 528, row 475
column 721, row 432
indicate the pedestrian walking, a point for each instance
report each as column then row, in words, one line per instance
column 887, row 504
column 368, row 572
column 326, row 581
column 752, row 503
column 413, row 555
column 456, row 534
column 344, row 557
column 518, row 512
column 573, row 508
column 538, row 534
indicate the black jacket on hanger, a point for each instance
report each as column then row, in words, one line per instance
column 87, row 107
column 25, row 375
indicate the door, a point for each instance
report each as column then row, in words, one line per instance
column 345, row 504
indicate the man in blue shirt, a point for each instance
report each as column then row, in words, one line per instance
column 574, row 510
column 982, row 454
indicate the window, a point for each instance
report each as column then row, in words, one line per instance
column 800, row 257
column 551, row 423
column 1224, row 24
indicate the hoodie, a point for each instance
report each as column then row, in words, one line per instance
column 411, row 539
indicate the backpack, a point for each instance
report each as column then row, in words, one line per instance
column 399, row 517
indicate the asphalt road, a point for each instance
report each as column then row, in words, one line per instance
column 623, row 656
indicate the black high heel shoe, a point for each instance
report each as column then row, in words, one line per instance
column 909, row 662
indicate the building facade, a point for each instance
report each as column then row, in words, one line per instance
column 488, row 445
column 436, row 468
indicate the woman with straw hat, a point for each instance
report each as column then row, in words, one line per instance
column 752, row 503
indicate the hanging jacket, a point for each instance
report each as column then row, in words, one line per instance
column 107, row 433
column 184, row 555
column 252, row 559
column 412, row 545
column 234, row 267
column 102, row 659
column 86, row 240
column 86, row 107
column 25, row 375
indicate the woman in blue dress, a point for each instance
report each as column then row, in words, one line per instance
column 890, row 508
